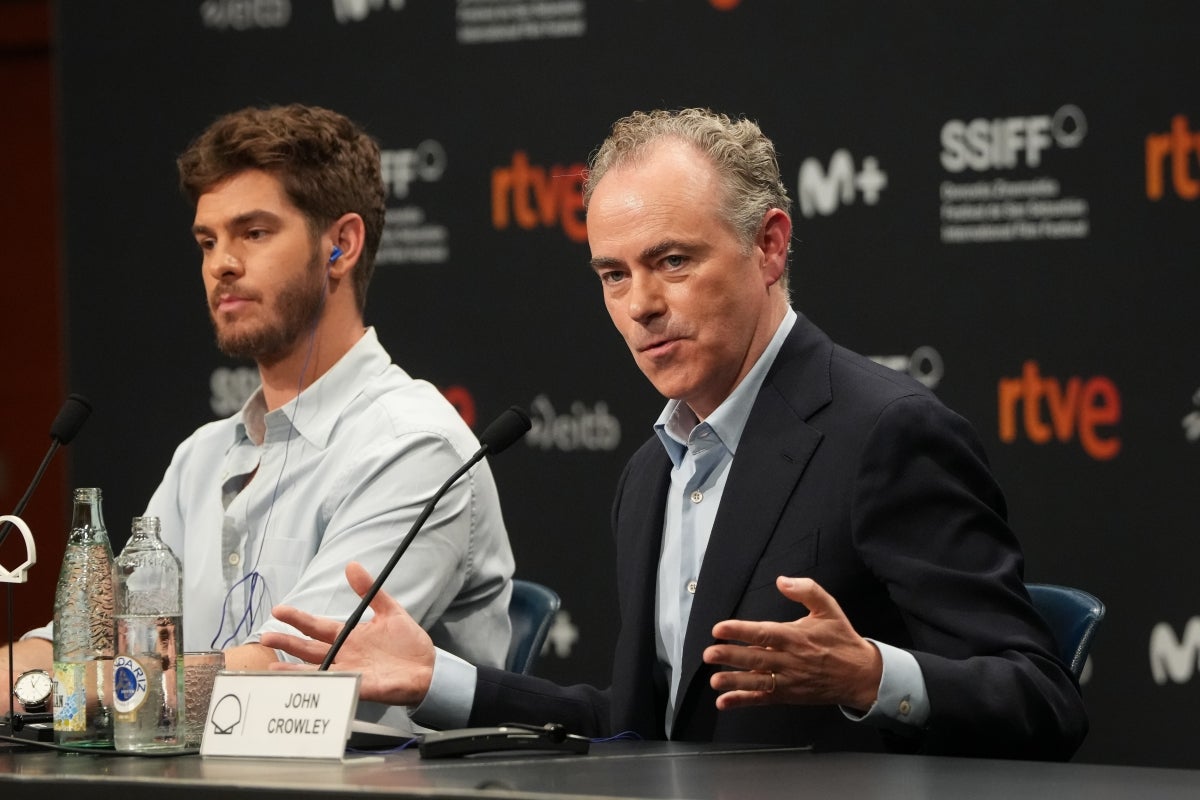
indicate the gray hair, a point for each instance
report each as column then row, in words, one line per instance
column 744, row 158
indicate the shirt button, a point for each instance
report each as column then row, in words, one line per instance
column 697, row 496
column 235, row 559
column 905, row 708
column 691, row 587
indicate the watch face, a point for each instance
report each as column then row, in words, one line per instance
column 33, row 687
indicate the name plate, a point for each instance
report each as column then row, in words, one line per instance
column 280, row 714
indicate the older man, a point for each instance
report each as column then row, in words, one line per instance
column 811, row 550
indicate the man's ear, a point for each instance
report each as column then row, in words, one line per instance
column 345, row 237
column 774, row 236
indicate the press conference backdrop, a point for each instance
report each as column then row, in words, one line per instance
column 999, row 198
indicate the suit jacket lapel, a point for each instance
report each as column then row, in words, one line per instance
column 775, row 447
column 639, row 695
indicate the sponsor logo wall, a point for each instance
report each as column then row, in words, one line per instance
column 1022, row 202
column 530, row 196
column 409, row 234
column 1049, row 409
column 822, row 190
column 1023, row 244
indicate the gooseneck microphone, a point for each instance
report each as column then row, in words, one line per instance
column 496, row 437
column 70, row 419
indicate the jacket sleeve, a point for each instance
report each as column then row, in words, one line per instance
column 502, row 697
column 929, row 521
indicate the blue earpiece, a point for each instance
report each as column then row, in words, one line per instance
column 335, row 254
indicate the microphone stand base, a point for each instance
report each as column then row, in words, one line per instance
column 31, row 727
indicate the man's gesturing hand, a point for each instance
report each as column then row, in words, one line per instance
column 392, row 652
column 814, row 660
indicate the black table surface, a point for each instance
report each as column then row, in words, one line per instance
column 612, row 770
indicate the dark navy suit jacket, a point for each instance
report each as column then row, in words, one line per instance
column 858, row 477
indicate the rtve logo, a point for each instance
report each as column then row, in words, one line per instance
column 1077, row 409
column 1174, row 659
column 538, row 197
column 984, row 144
column 400, row 168
column 822, row 191
column 1174, row 146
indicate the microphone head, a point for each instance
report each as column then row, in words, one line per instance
column 504, row 430
column 70, row 419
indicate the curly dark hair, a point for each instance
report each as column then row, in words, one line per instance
column 328, row 167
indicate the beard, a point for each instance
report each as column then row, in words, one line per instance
column 296, row 309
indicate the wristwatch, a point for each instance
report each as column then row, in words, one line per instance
column 33, row 689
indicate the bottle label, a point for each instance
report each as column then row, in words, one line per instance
column 129, row 684
column 70, row 697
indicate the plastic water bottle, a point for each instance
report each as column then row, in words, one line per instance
column 83, row 629
column 147, row 696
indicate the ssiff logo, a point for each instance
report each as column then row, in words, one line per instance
column 1077, row 409
column 1175, row 147
column 400, row 168
column 534, row 196
column 985, row 144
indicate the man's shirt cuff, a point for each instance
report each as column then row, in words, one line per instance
column 448, row 702
column 903, row 703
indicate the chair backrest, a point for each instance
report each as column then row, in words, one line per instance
column 1073, row 616
column 531, row 610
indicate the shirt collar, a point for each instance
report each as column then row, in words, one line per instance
column 313, row 413
column 677, row 421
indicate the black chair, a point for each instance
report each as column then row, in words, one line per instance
column 531, row 610
column 1073, row 616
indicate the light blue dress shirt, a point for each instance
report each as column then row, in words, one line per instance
column 267, row 508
